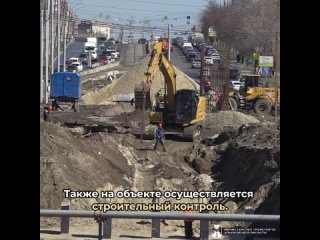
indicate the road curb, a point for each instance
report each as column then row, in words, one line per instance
column 98, row 69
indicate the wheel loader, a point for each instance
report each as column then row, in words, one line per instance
column 251, row 96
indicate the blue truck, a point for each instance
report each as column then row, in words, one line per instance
column 65, row 91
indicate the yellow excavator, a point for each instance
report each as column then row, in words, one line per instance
column 182, row 111
column 250, row 96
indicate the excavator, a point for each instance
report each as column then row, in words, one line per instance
column 182, row 112
column 251, row 96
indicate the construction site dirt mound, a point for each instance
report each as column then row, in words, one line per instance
column 70, row 161
column 243, row 159
column 126, row 83
column 134, row 76
column 224, row 119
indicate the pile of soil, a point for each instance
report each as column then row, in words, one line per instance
column 242, row 159
column 126, row 83
column 69, row 161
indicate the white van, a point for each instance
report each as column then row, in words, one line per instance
column 74, row 59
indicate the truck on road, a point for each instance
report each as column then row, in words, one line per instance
column 65, row 91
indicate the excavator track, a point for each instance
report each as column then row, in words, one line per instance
column 193, row 132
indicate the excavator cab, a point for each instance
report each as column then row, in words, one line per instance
column 186, row 105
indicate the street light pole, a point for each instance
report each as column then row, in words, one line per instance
column 47, row 52
column 52, row 38
column 64, row 45
column 169, row 43
column 41, row 56
column 59, row 35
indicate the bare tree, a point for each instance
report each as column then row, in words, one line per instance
column 247, row 26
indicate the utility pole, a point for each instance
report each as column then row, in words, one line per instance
column 47, row 52
column 52, row 38
column 276, row 90
column 226, row 103
column 89, row 59
column 202, row 82
column 59, row 35
column 41, row 56
column 69, row 24
column 134, row 55
column 121, row 35
column 65, row 42
column 169, row 43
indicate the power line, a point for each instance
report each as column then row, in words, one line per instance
column 169, row 4
column 129, row 9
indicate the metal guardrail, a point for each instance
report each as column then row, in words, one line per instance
column 104, row 219
column 160, row 215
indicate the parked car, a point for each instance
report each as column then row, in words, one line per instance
column 234, row 85
column 104, row 60
column 210, row 51
column 196, row 63
column 142, row 41
column 215, row 56
column 78, row 65
column 82, row 57
column 68, row 63
column 192, row 55
column 72, row 68
column 95, row 63
column 234, row 73
column 61, row 68
column 208, row 60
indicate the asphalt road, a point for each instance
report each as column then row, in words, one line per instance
column 179, row 60
column 73, row 50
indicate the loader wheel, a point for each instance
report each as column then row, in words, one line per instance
column 234, row 104
column 262, row 107
column 76, row 107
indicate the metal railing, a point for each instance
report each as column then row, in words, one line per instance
column 104, row 219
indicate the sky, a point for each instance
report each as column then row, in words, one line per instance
column 142, row 17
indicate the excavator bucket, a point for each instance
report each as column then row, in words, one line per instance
column 139, row 96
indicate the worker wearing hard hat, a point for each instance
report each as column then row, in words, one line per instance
column 188, row 226
column 256, row 56
column 159, row 134
column 47, row 113
column 208, row 88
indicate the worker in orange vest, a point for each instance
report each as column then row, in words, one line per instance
column 188, row 226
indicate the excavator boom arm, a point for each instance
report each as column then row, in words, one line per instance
column 158, row 61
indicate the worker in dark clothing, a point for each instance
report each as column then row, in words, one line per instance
column 241, row 58
column 147, row 47
column 132, row 102
column 188, row 226
column 159, row 137
column 47, row 113
column 238, row 57
column 208, row 88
